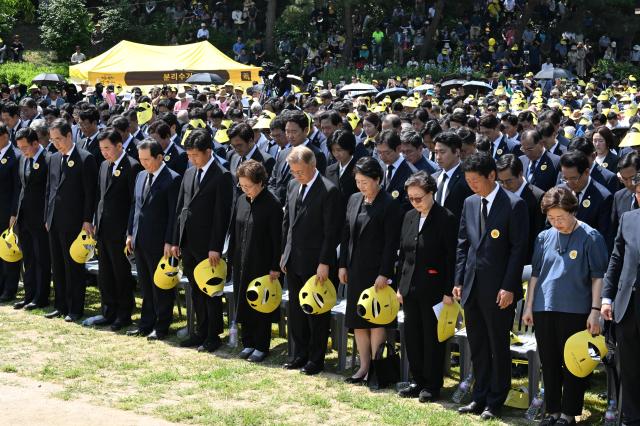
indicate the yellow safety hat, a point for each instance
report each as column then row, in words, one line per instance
column 82, row 247
column 447, row 320
column 145, row 112
column 264, row 295
column 353, row 119
column 263, row 123
column 378, row 306
column 630, row 139
column 518, row 398
column 167, row 274
column 583, row 352
column 210, row 279
column 221, row 136
column 317, row 297
column 9, row 249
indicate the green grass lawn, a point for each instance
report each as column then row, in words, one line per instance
column 182, row 385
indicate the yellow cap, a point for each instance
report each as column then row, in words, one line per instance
column 9, row 248
column 264, row 295
column 82, row 247
column 378, row 306
column 447, row 320
column 167, row 273
column 583, row 352
column 317, row 297
column 210, row 279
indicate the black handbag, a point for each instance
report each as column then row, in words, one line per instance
column 385, row 367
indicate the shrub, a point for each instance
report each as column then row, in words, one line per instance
column 64, row 24
column 23, row 72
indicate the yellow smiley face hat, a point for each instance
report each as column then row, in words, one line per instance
column 378, row 306
column 9, row 249
column 264, row 295
column 210, row 279
column 583, row 352
column 317, row 297
column 167, row 273
column 83, row 247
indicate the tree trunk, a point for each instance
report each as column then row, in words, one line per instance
column 523, row 21
column 270, row 23
column 348, row 34
column 427, row 47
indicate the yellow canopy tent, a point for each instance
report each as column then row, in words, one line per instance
column 134, row 64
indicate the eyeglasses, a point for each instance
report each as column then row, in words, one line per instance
column 416, row 200
column 571, row 179
column 506, row 181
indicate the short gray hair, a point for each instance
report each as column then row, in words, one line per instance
column 301, row 154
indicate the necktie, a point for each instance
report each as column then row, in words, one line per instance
column 634, row 204
column 147, row 188
column 389, row 175
column 28, row 167
column 300, row 198
column 532, row 169
column 110, row 173
column 578, row 196
column 440, row 194
column 64, row 161
column 483, row 216
column 198, row 179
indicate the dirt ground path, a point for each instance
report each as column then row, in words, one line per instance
column 29, row 402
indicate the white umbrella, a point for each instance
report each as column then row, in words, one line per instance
column 359, row 87
column 423, row 88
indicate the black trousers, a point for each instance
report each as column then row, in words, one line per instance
column 310, row 333
column 208, row 310
column 69, row 281
column 628, row 337
column 488, row 330
column 563, row 392
column 157, row 304
column 36, row 257
column 425, row 353
column 115, row 281
column 256, row 331
column 9, row 276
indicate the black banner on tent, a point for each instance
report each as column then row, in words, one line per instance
column 142, row 78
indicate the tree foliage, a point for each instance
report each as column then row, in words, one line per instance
column 10, row 10
column 64, row 24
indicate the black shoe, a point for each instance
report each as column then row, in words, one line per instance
column 210, row 346
column 72, row 318
column 472, row 408
column 355, row 380
column 19, row 305
column 246, row 353
column 257, row 356
column 489, row 413
column 311, row 369
column 53, row 314
column 411, row 391
column 157, row 335
column 103, row 321
column 31, row 306
column 427, row 396
column 192, row 342
column 138, row 332
column 295, row 364
column 548, row 421
column 119, row 325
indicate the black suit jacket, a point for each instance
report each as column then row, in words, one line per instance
column 312, row 234
column 427, row 257
column 396, row 186
column 32, row 197
column 258, row 155
column 345, row 183
column 280, row 176
column 9, row 184
column 622, row 202
column 622, row 273
column 176, row 159
column 595, row 210
column 545, row 176
column 506, row 146
column 611, row 162
column 92, row 146
column 532, row 195
column 605, row 177
column 115, row 198
column 152, row 219
column 132, row 148
column 71, row 190
column 489, row 262
column 204, row 211
column 457, row 191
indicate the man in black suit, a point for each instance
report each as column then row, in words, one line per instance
column 412, row 150
column 342, row 146
column 510, row 176
column 129, row 143
column 116, row 180
column 594, row 200
column 621, row 303
column 549, row 134
column 70, row 205
column 625, row 198
column 11, row 119
column 598, row 173
column 280, row 176
column 134, row 128
column 313, row 218
column 452, row 186
column 500, row 144
column 203, row 214
column 9, row 193
column 34, row 239
column 89, row 118
column 541, row 168
column 149, row 235
column 492, row 246
column 173, row 155
column 244, row 148
column 396, row 169
column 297, row 131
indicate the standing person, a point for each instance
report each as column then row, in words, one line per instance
column 604, row 141
column 9, row 193
column 372, row 125
column 368, row 254
column 621, row 304
column 173, row 155
column 563, row 298
column 204, row 211
column 69, row 209
column 396, row 169
column 342, row 145
column 116, row 182
column 312, row 219
column 540, row 166
column 280, row 176
column 413, row 151
column 241, row 139
column 34, row 239
column 625, row 198
column 89, row 117
column 149, row 235
column 254, row 251
column 427, row 267
column 489, row 126
column 492, row 246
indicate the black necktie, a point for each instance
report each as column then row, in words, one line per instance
column 389, row 175
column 440, row 194
column 198, row 178
column 243, row 159
column 634, row 204
column 28, row 167
column 483, row 216
column 64, row 161
column 110, row 172
column 578, row 196
column 300, row 198
column 148, row 187
column 532, row 169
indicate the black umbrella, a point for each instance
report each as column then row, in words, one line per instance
column 45, row 78
column 393, row 93
column 554, row 73
column 205, row 78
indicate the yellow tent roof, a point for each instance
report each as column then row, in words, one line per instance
column 134, row 64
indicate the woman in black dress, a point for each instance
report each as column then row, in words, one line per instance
column 367, row 254
column 254, row 251
column 426, row 273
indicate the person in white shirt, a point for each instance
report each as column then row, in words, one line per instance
column 203, row 32
column 78, row 56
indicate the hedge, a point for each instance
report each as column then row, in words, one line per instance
column 24, row 72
